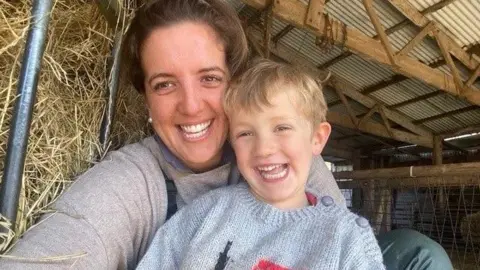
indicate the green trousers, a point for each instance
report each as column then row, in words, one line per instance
column 406, row 249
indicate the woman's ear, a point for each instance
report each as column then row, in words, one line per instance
column 320, row 137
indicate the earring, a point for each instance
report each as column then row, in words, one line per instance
column 150, row 120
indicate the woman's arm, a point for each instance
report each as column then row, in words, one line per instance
column 107, row 217
column 168, row 247
column 321, row 180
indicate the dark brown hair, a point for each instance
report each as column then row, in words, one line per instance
column 161, row 13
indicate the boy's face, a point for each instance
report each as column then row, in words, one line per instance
column 274, row 149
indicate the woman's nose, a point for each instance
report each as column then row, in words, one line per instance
column 192, row 101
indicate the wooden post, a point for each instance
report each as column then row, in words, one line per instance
column 356, row 192
column 438, row 160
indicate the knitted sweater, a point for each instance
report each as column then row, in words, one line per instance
column 229, row 229
column 109, row 216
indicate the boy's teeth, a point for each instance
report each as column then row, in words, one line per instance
column 268, row 168
column 274, row 175
column 198, row 128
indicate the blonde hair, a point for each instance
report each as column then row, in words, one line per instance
column 264, row 79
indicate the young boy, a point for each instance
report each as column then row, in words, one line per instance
column 277, row 123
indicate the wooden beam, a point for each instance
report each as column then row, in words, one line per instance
column 378, row 130
column 442, row 43
column 424, row 12
column 368, row 115
column 314, row 14
column 370, row 102
column 436, row 7
column 472, row 168
column 380, row 31
column 335, row 60
column 414, row 100
column 268, row 19
column 346, row 88
column 294, row 12
column 473, row 77
column 416, row 182
column 381, row 110
column 417, row 39
column 419, row 19
column 282, row 33
column 336, row 152
column 447, row 114
column 350, row 111
column 410, row 12
column 397, row 78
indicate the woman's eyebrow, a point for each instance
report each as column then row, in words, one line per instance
column 214, row 68
column 158, row 75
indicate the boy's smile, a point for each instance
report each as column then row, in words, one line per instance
column 274, row 146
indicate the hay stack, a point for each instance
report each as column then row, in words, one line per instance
column 64, row 134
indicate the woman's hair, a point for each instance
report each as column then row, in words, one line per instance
column 264, row 79
column 162, row 13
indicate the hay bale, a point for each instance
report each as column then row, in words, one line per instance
column 70, row 100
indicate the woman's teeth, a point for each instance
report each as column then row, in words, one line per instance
column 195, row 131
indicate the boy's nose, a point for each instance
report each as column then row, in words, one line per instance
column 265, row 147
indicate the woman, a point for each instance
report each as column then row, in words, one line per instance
column 181, row 55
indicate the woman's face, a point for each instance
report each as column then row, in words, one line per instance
column 185, row 76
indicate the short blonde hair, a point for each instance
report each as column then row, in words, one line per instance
column 265, row 78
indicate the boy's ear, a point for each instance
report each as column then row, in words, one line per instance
column 320, row 137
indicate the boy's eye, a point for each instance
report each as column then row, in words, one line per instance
column 282, row 128
column 244, row 134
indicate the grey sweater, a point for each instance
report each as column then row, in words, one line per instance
column 109, row 216
column 229, row 229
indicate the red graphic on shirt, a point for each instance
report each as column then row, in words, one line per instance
column 266, row 265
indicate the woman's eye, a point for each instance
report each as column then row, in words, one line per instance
column 162, row 86
column 211, row 80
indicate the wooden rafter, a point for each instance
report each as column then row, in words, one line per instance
column 424, row 12
column 417, row 39
column 345, row 102
column 335, row 60
column 397, row 78
column 268, row 19
column 381, row 110
column 314, row 12
column 442, row 43
column 420, row 20
column 473, row 76
column 380, row 30
column 294, row 12
column 282, row 33
column 422, row 136
column 368, row 115
column 414, row 100
column 447, row 114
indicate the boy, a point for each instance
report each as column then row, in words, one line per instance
column 277, row 123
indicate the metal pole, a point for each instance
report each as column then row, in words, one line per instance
column 112, row 89
column 22, row 115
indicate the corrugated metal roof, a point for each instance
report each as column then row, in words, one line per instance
column 461, row 19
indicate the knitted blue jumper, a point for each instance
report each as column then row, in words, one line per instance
column 229, row 228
